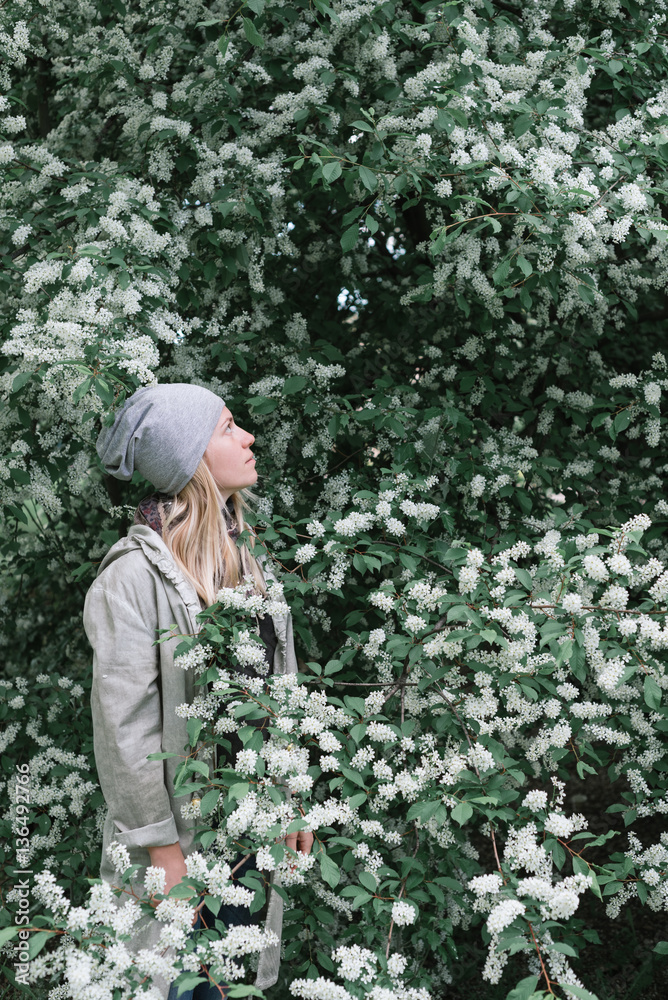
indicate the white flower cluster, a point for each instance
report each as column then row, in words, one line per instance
column 376, row 640
column 426, row 596
column 354, row 524
column 382, row 599
column 241, row 598
column 503, row 915
column 250, row 652
column 403, row 913
column 414, row 623
column 305, row 553
column 535, row 800
column 420, row 511
column 469, row 574
column 483, row 885
column 561, row 899
column 355, row 963
column 195, row 659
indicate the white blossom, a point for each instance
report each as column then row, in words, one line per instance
column 403, row 913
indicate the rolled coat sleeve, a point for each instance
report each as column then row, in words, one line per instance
column 127, row 720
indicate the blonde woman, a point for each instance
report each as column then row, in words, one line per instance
column 178, row 553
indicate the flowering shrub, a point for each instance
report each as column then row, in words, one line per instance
column 488, row 687
column 420, row 250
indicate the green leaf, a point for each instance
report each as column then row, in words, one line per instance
column 525, row 579
column 622, row 420
column 359, row 896
column 7, row 933
column 223, row 43
column 579, row 992
column 194, row 727
column 103, row 390
column 239, row 790
column 199, row 766
column 260, row 404
column 367, row 177
column 293, row 384
column 501, row 273
column 424, row 810
column 353, row 214
column 327, row 10
column 564, row 653
column 349, row 238
column 251, row 33
column 20, row 380
column 37, row 942
column 661, row 947
column 331, row 171
column 449, row 883
column 371, row 224
column 358, row 732
column 524, row 989
column 209, row 801
column 329, row 870
column 522, row 125
column 181, row 891
column 462, row 812
column 565, row 949
column 652, row 693
column 595, row 887
column 82, row 389
column 20, row 476
column 368, row 881
column 524, row 265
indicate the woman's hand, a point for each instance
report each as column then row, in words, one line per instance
column 301, row 841
column 171, row 859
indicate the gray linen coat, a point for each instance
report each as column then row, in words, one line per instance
column 136, row 688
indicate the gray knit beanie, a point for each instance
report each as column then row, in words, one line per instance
column 162, row 432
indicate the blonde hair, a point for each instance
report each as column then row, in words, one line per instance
column 197, row 534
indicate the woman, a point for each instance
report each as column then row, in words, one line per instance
column 180, row 551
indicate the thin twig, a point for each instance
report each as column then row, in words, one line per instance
column 496, row 853
column 401, row 892
column 542, row 964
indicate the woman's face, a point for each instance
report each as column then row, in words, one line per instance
column 229, row 457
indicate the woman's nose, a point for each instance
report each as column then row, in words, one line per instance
column 250, row 440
